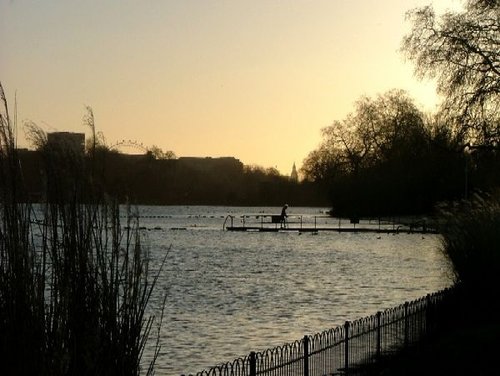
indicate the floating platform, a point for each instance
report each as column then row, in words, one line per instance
column 268, row 223
column 338, row 229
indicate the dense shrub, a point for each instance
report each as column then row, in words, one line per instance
column 471, row 239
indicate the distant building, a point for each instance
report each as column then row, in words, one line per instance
column 75, row 141
column 293, row 175
column 210, row 164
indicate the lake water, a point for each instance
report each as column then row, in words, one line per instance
column 229, row 293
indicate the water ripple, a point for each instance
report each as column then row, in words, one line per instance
column 230, row 293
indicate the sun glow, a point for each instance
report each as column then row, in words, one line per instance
column 256, row 80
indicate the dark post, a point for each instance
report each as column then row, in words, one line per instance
column 428, row 313
column 379, row 337
column 346, row 349
column 406, row 325
column 253, row 364
column 306, row 356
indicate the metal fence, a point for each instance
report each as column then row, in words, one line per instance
column 351, row 348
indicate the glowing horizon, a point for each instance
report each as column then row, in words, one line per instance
column 254, row 80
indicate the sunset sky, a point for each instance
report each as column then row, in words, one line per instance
column 254, row 79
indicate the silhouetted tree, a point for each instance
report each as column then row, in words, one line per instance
column 157, row 153
column 383, row 159
column 461, row 50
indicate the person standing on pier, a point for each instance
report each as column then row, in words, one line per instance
column 283, row 216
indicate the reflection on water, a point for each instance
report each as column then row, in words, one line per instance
column 230, row 293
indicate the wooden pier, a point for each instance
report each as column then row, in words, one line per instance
column 269, row 223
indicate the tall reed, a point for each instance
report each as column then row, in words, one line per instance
column 471, row 239
column 74, row 281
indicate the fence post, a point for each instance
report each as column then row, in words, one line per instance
column 428, row 314
column 253, row 364
column 306, row 356
column 406, row 325
column 346, row 349
column 379, row 337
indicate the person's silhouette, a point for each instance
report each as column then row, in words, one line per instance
column 283, row 216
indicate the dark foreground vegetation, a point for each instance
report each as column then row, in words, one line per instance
column 469, row 345
column 74, row 281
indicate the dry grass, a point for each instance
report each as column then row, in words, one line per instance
column 74, row 282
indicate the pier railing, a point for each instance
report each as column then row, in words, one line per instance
column 349, row 349
column 274, row 223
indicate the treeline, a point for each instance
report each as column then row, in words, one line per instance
column 388, row 158
column 202, row 181
column 146, row 179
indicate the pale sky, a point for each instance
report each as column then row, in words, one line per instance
column 254, row 79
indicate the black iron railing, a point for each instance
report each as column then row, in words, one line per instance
column 348, row 348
